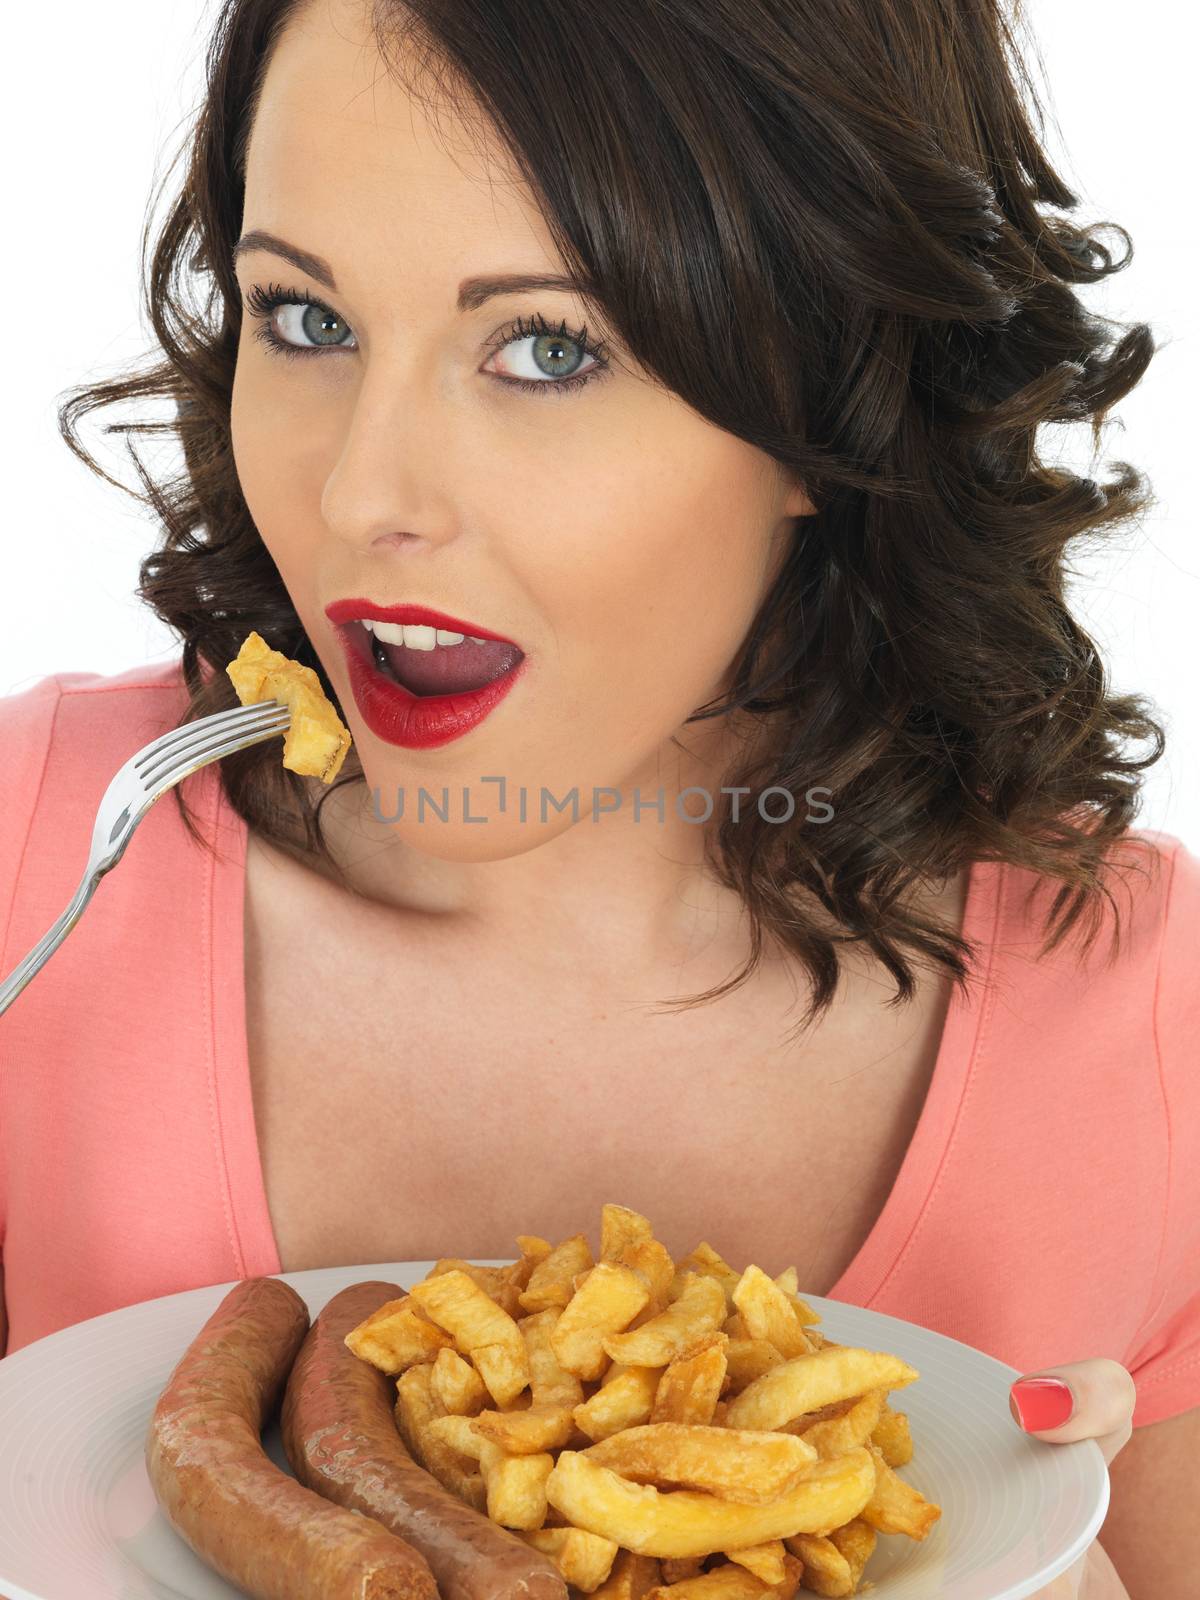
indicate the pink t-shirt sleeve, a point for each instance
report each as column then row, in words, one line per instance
column 1166, row 1362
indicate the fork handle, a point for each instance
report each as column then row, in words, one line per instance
column 48, row 943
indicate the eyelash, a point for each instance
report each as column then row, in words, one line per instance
column 260, row 303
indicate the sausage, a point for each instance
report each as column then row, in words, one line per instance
column 267, row 1534
column 341, row 1438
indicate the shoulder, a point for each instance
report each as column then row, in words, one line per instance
column 74, row 717
column 1162, row 911
column 147, row 678
column 1180, row 910
column 1165, row 916
column 1148, row 915
column 31, row 709
column 1114, row 994
column 1177, row 981
column 65, row 735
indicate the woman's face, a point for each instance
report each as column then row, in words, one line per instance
column 621, row 540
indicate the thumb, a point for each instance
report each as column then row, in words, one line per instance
column 1079, row 1400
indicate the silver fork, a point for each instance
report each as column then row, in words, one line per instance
column 146, row 776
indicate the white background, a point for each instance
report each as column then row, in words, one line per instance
column 93, row 109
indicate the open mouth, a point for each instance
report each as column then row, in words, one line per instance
column 428, row 666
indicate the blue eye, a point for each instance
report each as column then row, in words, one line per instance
column 313, row 326
column 291, row 323
column 546, row 347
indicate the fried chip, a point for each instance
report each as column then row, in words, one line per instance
column 619, row 1228
column 457, row 1384
column 607, row 1300
column 747, row 1359
column 676, row 1569
column 417, row 1409
column 833, row 1563
column 317, row 740
column 706, row 1262
column 835, row 1373
column 689, row 1389
column 765, row 1561
column 552, row 1282
column 480, row 1328
column 625, row 1400
column 833, row 1436
column 631, row 1578
column 729, row 1581
column 698, row 1311
column 651, row 1260
column 739, row 1465
column 527, row 1432
column 688, row 1522
column 893, row 1438
column 896, row 1506
column 768, row 1313
column 516, row 1486
column 496, row 1282
column 397, row 1336
column 584, row 1559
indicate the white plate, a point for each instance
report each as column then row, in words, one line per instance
column 78, row 1516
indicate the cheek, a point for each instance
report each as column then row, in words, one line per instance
column 278, row 450
column 657, row 583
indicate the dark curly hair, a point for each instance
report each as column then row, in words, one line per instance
column 816, row 221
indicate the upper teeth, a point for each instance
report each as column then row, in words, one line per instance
column 413, row 636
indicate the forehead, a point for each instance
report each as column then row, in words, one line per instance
column 341, row 151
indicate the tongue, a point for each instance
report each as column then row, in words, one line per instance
column 451, row 669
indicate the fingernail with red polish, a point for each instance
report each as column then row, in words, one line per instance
column 1040, row 1403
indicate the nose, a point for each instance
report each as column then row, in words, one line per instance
column 384, row 489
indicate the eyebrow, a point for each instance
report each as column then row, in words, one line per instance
column 472, row 292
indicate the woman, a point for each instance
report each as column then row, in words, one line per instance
column 720, row 901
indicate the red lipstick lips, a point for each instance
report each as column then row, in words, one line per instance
column 419, row 616
column 393, row 712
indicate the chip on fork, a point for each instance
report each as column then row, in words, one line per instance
column 146, row 776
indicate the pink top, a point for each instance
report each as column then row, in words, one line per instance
column 1047, row 1209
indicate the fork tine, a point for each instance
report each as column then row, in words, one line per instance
column 196, row 738
column 230, row 717
column 210, row 745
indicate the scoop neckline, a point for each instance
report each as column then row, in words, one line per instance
column 239, row 1155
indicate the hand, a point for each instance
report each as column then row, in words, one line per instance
column 1103, row 1396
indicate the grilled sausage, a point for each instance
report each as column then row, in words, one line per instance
column 264, row 1532
column 341, row 1438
